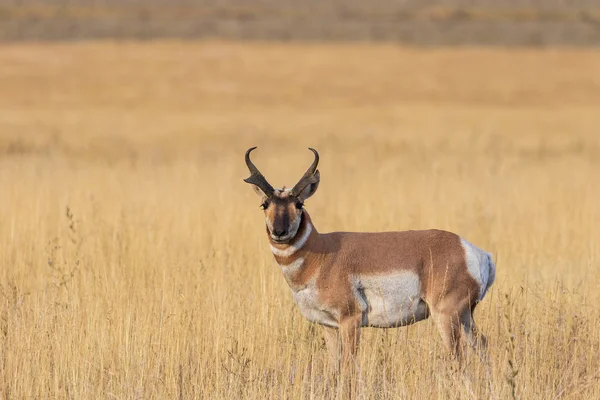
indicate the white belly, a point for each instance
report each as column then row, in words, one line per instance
column 391, row 300
column 308, row 302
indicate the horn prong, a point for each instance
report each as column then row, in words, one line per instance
column 256, row 178
column 309, row 176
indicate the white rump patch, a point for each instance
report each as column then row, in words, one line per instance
column 480, row 266
column 389, row 300
column 291, row 249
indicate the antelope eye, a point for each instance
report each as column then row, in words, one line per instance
column 264, row 205
column 299, row 205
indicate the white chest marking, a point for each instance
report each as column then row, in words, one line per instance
column 311, row 308
column 389, row 300
column 292, row 269
column 291, row 249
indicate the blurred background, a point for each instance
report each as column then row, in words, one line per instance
column 133, row 260
column 419, row 22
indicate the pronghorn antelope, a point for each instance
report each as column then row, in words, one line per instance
column 345, row 280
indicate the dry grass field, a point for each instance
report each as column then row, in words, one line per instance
column 133, row 259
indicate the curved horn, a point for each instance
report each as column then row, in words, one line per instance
column 310, row 176
column 256, row 178
column 313, row 167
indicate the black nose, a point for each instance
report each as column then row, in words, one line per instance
column 279, row 232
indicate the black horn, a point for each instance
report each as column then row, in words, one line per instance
column 310, row 176
column 256, row 178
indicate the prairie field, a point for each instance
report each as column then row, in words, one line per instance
column 133, row 258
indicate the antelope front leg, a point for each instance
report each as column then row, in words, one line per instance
column 333, row 343
column 350, row 337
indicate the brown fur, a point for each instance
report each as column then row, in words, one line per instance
column 436, row 256
column 329, row 262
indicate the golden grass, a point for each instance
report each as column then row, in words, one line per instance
column 133, row 258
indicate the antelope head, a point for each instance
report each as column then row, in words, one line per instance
column 283, row 207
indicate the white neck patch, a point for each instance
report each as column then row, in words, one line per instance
column 290, row 270
column 291, row 249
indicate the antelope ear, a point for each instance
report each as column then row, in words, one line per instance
column 310, row 189
column 258, row 191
